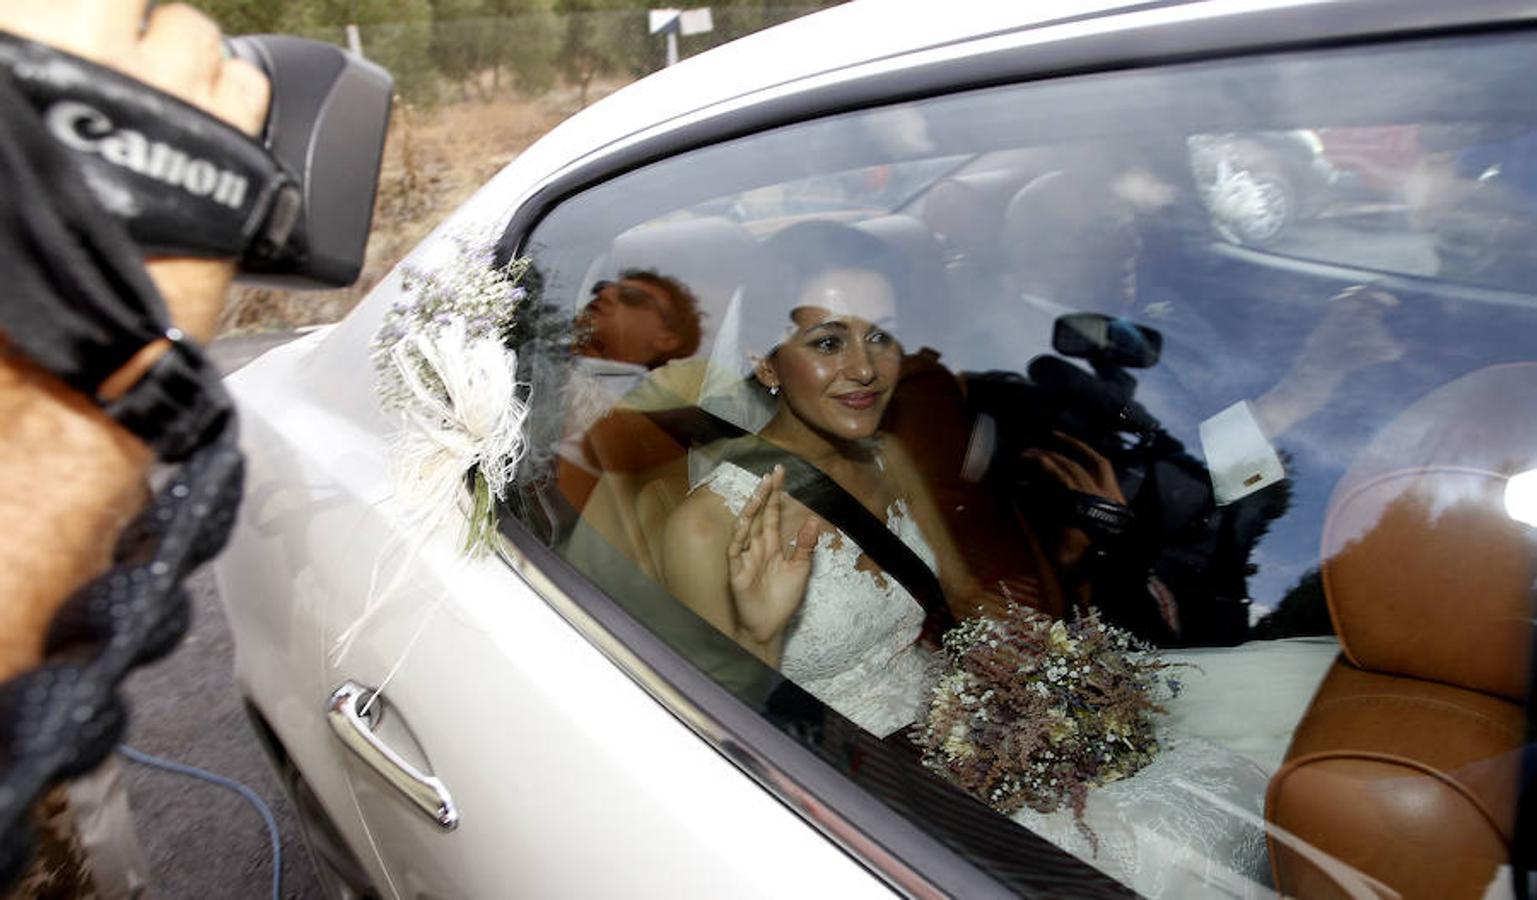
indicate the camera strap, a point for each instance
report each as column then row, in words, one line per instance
column 185, row 183
column 78, row 303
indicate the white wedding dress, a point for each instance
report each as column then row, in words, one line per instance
column 1189, row 824
column 852, row 642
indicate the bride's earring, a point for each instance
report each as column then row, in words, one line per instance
column 774, row 390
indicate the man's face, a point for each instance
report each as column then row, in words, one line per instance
column 624, row 322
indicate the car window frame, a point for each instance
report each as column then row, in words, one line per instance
column 1146, row 36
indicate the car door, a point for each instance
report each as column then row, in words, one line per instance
column 595, row 734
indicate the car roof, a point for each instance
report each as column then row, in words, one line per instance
column 842, row 43
column 824, row 42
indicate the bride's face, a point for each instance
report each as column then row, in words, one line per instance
column 839, row 366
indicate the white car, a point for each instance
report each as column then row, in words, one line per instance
column 1325, row 446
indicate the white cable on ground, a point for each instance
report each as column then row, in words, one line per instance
column 250, row 796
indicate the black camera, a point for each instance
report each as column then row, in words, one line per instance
column 330, row 110
column 1057, row 396
column 293, row 207
column 1170, row 528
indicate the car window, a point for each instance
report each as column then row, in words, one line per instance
column 854, row 194
column 1443, row 199
column 1213, row 382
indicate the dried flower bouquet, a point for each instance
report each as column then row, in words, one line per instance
column 1033, row 711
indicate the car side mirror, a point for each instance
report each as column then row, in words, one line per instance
column 1107, row 340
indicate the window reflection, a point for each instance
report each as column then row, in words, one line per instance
column 1230, row 356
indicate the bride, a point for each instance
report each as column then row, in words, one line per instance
column 762, row 567
column 765, row 570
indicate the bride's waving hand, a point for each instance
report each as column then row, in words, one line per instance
column 767, row 578
column 739, row 572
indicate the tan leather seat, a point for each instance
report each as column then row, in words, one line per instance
column 928, row 415
column 1406, row 765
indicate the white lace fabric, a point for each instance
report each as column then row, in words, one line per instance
column 1190, row 824
column 852, row 643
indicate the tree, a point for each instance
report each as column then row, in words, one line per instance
column 254, row 16
column 532, row 37
column 601, row 38
column 395, row 34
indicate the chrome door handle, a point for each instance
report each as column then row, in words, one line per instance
column 425, row 791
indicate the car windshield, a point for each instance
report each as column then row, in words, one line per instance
column 1213, row 353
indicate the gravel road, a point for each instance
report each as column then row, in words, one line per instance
column 201, row 840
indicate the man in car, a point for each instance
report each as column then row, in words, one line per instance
column 629, row 327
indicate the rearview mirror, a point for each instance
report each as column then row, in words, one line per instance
column 1104, row 339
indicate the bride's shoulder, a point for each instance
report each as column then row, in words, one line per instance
column 730, row 482
column 715, row 501
column 701, row 518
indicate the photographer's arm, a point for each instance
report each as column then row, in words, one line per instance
column 1352, row 335
column 70, row 477
column 1238, row 443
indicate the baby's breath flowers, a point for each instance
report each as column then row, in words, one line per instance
column 443, row 364
column 1033, row 711
column 469, row 289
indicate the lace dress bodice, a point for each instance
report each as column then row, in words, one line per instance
column 852, row 642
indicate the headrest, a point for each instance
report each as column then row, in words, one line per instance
column 1070, row 236
column 967, row 210
column 923, row 261
column 1425, row 572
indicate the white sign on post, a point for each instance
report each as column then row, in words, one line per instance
column 696, row 21
column 664, row 19
column 673, row 22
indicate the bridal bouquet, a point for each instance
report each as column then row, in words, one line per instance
column 443, row 363
column 1033, row 711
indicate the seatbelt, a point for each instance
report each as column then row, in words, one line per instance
column 693, row 426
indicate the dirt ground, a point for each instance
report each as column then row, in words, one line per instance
column 434, row 158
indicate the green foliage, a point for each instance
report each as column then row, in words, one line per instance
column 476, row 47
column 598, row 41
column 254, row 16
column 533, row 43
column 479, row 44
